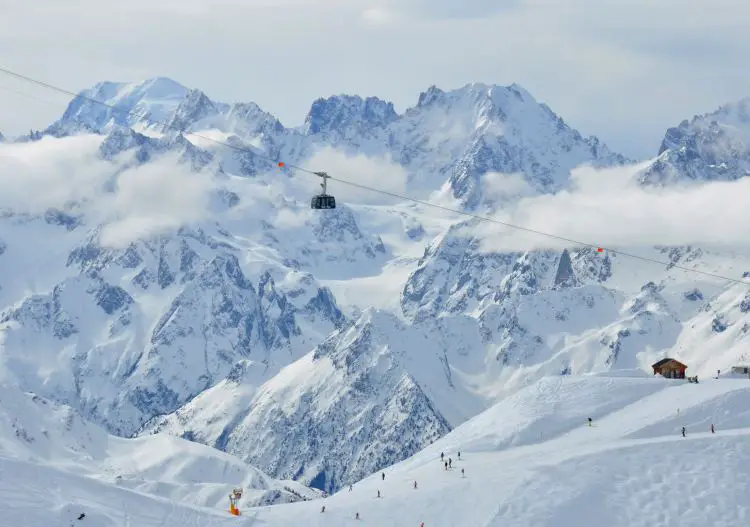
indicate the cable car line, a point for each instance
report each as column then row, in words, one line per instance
column 327, row 201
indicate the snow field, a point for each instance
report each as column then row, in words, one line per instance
column 632, row 468
column 531, row 460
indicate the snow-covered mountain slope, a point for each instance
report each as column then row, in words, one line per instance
column 139, row 331
column 218, row 318
column 576, row 311
column 453, row 363
column 710, row 147
column 537, row 444
column 57, row 438
column 368, row 396
column 621, row 471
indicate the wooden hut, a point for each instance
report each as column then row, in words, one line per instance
column 670, row 369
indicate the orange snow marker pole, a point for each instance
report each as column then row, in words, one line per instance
column 234, row 497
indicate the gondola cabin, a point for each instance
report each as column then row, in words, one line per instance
column 323, row 201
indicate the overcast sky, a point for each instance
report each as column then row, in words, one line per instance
column 624, row 70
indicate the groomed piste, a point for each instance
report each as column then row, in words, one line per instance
column 531, row 460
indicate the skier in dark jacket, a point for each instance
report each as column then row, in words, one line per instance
column 683, row 431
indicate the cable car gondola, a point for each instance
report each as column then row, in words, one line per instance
column 323, row 201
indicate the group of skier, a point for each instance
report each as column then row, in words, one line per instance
column 713, row 430
column 684, row 430
column 447, row 464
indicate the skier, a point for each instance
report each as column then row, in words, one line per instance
column 442, row 454
column 589, row 421
column 415, row 483
column 356, row 516
column 683, row 431
column 459, row 454
column 450, row 463
column 462, row 473
column 378, row 494
column 712, row 429
column 323, row 508
column 446, row 465
column 350, row 488
column 82, row 516
column 383, row 474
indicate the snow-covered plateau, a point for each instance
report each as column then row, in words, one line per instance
column 176, row 321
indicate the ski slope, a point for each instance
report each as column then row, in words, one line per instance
column 530, row 460
column 49, row 453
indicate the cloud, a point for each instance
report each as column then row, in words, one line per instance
column 380, row 16
column 505, row 187
column 374, row 172
column 444, row 9
column 608, row 208
column 49, row 173
column 291, row 219
column 143, row 201
column 152, row 199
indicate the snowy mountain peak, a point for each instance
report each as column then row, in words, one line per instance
column 149, row 100
column 194, row 107
column 489, row 100
column 429, row 96
column 565, row 277
column 710, row 147
column 348, row 112
column 481, row 128
column 154, row 88
column 250, row 120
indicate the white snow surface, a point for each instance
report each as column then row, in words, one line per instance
column 530, row 460
column 42, row 437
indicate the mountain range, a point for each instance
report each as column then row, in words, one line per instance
column 323, row 346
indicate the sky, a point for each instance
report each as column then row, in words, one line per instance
column 623, row 70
